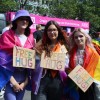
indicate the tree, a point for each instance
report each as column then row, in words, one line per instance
column 8, row 5
column 89, row 10
column 12, row 5
column 85, row 10
column 22, row 3
column 64, row 9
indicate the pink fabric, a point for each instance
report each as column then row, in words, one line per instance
column 8, row 40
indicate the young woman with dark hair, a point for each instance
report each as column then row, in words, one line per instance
column 50, row 83
column 19, row 35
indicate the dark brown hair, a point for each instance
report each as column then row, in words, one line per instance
column 61, row 35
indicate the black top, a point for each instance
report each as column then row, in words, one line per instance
column 38, row 35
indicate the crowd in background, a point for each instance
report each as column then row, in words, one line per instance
column 48, row 84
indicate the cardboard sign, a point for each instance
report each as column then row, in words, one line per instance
column 23, row 57
column 81, row 77
column 56, row 61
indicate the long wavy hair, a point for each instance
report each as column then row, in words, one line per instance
column 87, row 36
column 62, row 36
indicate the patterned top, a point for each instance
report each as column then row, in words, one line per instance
column 79, row 57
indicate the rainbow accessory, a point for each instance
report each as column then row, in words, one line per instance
column 96, row 44
column 91, row 62
column 92, row 66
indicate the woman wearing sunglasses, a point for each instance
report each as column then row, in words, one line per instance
column 19, row 35
column 82, row 53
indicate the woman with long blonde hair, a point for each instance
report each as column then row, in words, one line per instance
column 83, row 53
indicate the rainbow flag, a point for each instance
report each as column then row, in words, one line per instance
column 91, row 62
column 96, row 44
column 91, row 65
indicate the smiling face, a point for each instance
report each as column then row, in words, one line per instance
column 52, row 32
column 80, row 39
column 22, row 23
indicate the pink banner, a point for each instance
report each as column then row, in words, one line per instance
column 62, row 22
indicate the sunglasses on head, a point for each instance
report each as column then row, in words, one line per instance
column 79, row 36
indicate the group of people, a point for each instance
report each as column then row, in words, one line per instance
column 47, row 84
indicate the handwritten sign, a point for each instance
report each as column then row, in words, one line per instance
column 81, row 77
column 56, row 61
column 23, row 57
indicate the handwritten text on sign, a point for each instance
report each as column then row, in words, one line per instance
column 56, row 61
column 81, row 77
column 23, row 57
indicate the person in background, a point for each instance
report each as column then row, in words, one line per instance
column 9, row 25
column 19, row 35
column 48, row 84
column 38, row 33
column 82, row 52
column 96, row 42
column 38, row 36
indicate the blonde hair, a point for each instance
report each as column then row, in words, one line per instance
column 87, row 36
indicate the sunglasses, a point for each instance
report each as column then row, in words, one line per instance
column 23, row 18
column 79, row 36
